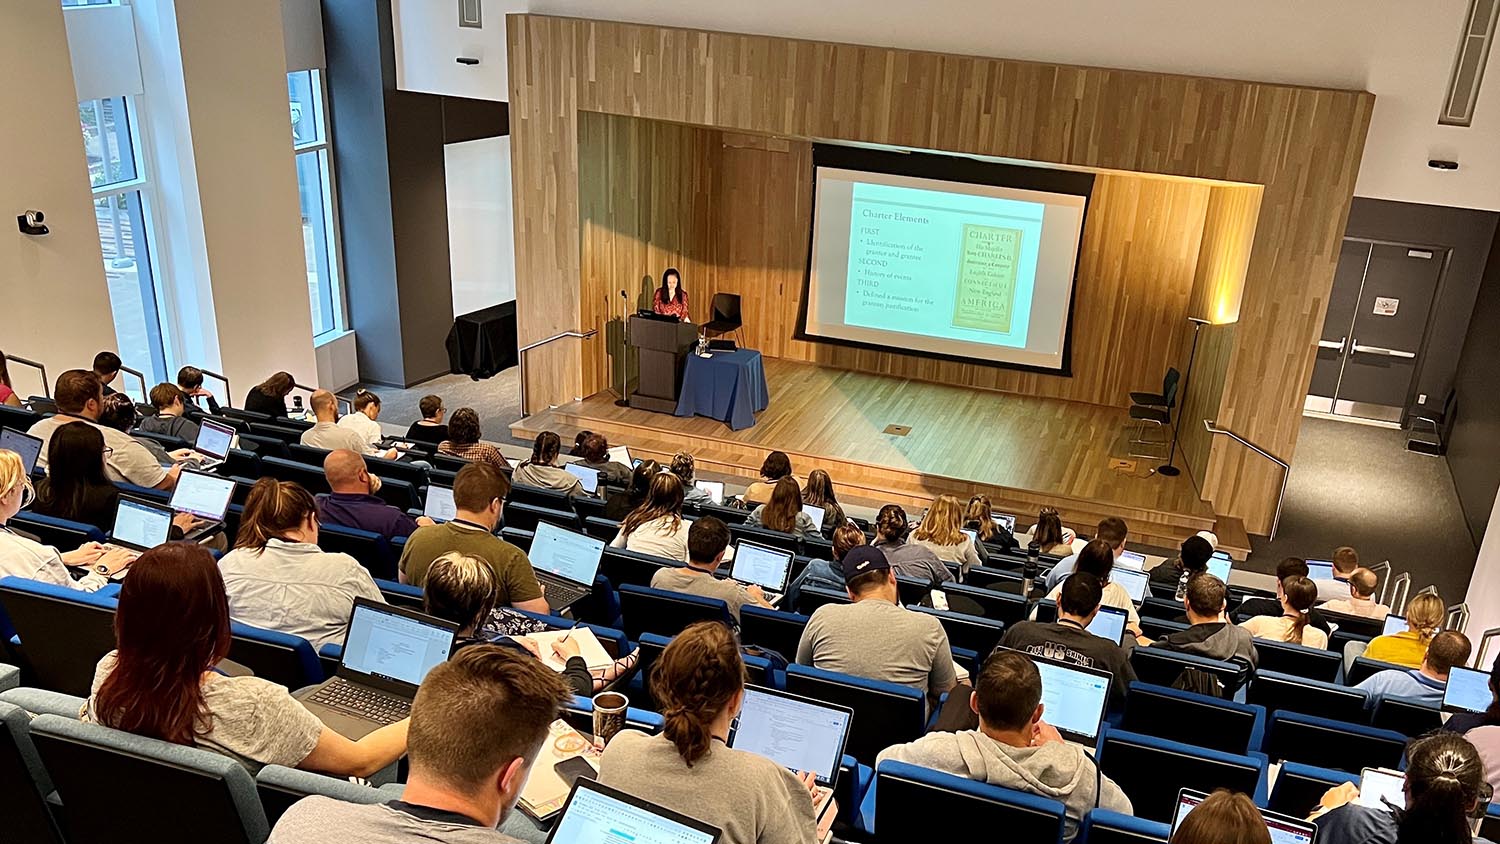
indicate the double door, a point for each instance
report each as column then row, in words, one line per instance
column 1372, row 336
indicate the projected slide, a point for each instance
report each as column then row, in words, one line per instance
column 947, row 268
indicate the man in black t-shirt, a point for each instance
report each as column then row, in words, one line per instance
column 1068, row 640
column 1251, row 607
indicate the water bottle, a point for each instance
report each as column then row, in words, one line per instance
column 1029, row 571
column 1182, row 585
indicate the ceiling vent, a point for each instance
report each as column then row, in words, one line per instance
column 1468, row 64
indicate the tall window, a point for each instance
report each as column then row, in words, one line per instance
column 119, row 183
column 307, row 94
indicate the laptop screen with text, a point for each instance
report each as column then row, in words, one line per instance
column 27, row 446
column 794, row 732
column 1467, row 691
column 621, row 455
column 1131, row 560
column 1074, row 699
column 1134, row 582
column 1109, row 623
column 815, row 513
column 439, row 505
column 394, row 646
column 758, row 564
column 205, row 496
column 1394, row 624
column 571, row 556
column 587, row 478
column 214, row 439
column 140, row 525
column 1220, row 567
column 597, row 814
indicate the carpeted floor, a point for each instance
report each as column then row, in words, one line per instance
column 1357, row 485
column 497, row 400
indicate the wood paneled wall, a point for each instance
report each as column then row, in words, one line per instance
column 1302, row 144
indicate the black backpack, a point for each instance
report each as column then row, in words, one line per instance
column 1199, row 681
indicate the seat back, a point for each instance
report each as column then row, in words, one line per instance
column 909, row 797
column 1300, row 787
column 1298, row 660
column 240, row 463
column 995, row 580
column 884, row 713
column 310, row 455
column 62, row 534
column 1164, row 608
column 771, row 629
column 396, row 470
column 24, row 784
column 286, row 433
column 1101, row 826
column 212, row 796
column 1285, row 693
column 1364, row 668
column 588, row 507
column 280, row 787
column 1193, row 718
column 809, row 598
column 601, row 528
column 647, row 610
column 1003, row 607
column 538, row 497
column 1151, row 771
column 400, row 594
column 371, row 549
column 726, row 308
column 310, row 477
column 631, row 568
column 1161, row 667
column 1407, row 717
column 970, row 632
column 526, row 516
column 1356, row 624
column 275, row 656
column 18, row 418
column 1169, row 386
column 727, row 515
column 64, row 633
column 1327, row 743
column 765, row 536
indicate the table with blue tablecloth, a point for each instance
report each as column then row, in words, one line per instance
column 729, row 386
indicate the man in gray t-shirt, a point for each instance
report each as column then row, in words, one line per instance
column 875, row 637
column 707, row 539
column 478, row 772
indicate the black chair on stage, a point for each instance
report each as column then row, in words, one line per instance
column 724, row 315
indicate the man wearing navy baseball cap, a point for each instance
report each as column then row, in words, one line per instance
column 875, row 637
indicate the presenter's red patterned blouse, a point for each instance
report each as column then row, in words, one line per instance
column 670, row 308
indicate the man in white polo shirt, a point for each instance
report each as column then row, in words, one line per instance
column 80, row 398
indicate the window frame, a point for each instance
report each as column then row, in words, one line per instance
column 323, row 150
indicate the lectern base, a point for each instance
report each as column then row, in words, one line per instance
column 655, row 405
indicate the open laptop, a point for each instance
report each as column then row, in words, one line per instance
column 1394, row 624
column 566, row 563
column 1220, row 567
column 28, row 447
column 1109, row 623
column 797, row 733
column 1319, row 570
column 1379, row 787
column 1133, row 581
column 140, row 525
column 387, row 652
column 204, row 496
column 1284, row 829
column 1131, row 560
column 769, row 568
column 598, row 814
column 1075, row 698
column 715, row 490
column 213, row 444
column 1006, row 520
column 1468, row 691
column 620, row 454
column 439, row 505
column 587, row 478
column 815, row 513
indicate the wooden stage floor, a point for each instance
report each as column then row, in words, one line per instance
column 1023, row 451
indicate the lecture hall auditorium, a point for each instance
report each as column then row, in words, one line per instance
column 571, row 422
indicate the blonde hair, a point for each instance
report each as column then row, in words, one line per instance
column 13, row 476
column 941, row 524
column 1426, row 614
column 460, row 588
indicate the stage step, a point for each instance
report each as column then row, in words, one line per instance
column 907, row 487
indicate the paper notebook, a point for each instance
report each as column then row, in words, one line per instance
column 589, row 648
column 545, row 791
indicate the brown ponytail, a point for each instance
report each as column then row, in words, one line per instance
column 695, row 678
column 273, row 509
column 1301, row 593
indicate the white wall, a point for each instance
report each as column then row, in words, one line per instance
column 1484, row 587
column 1399, row 49
column 429, row 41
column 55, row 300
column 481, row 243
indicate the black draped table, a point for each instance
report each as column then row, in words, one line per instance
column 482, row 343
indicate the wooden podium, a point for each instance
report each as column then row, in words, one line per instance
column 661, row 347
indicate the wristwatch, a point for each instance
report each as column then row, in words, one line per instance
column 102, row 569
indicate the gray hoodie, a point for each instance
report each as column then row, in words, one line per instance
column 1055, row 770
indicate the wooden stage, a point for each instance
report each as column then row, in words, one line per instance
column 1025, row 452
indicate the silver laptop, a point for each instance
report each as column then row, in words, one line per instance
column 598, row 814
column 1006, row 520
column 213, row 444
column 1131, row 560
column 204, row 496
column 28, row 447
column 439, row 505
column 587, row 478
column 797, row 733
column 566, row 563
column 767, row 567
column 715, row 490
column 387, row 652
column 1133, row 581
column 140, row 525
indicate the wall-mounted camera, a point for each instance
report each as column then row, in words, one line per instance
column 31, row 223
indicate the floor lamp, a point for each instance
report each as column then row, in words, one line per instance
column 1167, row 468
column 624, row 399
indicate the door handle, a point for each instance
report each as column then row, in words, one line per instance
column 1329, row 344
column 1381, row 350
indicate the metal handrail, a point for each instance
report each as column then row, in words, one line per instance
column 1458, row 617
column 521, row 361
column 1403, row 588
column 46, row 385
column 345, row 406
column 228, row 393
column 1383, row 573
column 139, row 376
column 1484, row 645
column 1286, row 468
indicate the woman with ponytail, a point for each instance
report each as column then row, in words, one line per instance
column 1298, row 594
column 699, row 684
column 1444, row 785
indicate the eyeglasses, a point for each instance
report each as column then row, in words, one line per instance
column 108, row 451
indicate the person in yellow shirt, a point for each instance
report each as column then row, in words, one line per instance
column 1424, row 618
